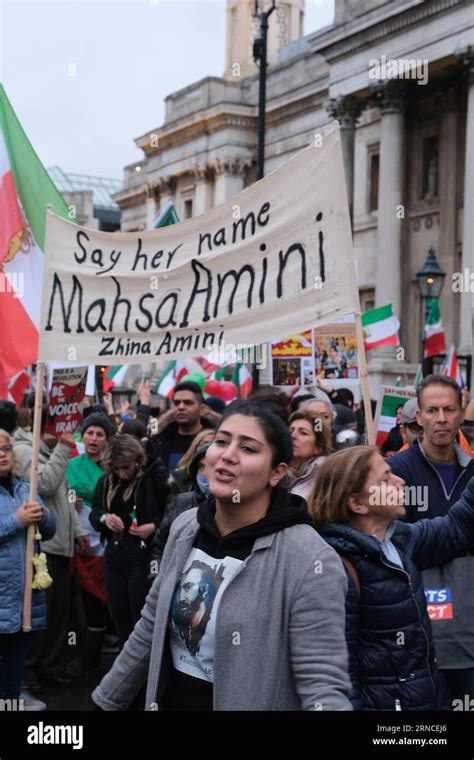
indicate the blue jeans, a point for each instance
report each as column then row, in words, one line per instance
column 13, row 649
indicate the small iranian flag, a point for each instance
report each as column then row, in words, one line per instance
column 388, row 414
column 434, row 332
column 380, row 327
column 242, row 378
column 451, row 366
column 25, row 192
column 172, row 374
column 114, row 376
column 219, row 374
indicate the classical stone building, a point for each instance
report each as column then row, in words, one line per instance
column 399, row 77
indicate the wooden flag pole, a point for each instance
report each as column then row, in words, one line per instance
column 30, row 538
column 369, row 420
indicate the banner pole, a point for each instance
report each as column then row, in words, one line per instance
column 30, row 536
column 369, row 421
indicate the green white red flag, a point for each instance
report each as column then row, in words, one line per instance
column 114, row 376
column 25, row 192
column 242, row 378
column 435, row 342
column 380, row 327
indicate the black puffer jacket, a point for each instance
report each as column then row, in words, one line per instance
column 387, row 626
column 148, row 498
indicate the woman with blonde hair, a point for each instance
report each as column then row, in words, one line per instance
column 311, row 445
column 180, row 479
column 357, row 505
column 17, row 513
column 128, row 505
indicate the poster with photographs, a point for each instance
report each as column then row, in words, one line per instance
column 293, row 360
column 335, row 351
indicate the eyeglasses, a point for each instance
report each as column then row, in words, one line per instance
column 6, row 449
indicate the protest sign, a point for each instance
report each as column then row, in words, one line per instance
column 67, row 391
column 274, row 260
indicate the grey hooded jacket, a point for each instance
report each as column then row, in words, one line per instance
column 52, row 487
column 279, row 641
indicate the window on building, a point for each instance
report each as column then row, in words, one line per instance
column 188, row 208
column 374, row 181
column 367, row 299
column 430, row 168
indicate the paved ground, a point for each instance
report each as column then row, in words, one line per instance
column 77, row 696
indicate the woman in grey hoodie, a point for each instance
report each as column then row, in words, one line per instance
column 247, row 611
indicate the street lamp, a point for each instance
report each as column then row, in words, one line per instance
column 430, row 281
column 260, row 55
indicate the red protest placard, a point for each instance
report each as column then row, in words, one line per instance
column 67, row 391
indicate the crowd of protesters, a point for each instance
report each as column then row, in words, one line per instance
column 254, row 556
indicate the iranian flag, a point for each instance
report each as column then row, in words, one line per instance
column 451, row 366
column 434, row 332
column 113, row 376
column 380, row 327
column 171, row 376
column 25, row 192
column 388, row 415
column 242, row 378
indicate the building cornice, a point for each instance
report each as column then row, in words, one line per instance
column 369, row 29
column 130, row 196
column 199, row 123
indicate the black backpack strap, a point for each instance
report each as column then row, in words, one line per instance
column 352, row 572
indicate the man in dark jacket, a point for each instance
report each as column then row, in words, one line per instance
column 175, row 439
column 437, row 470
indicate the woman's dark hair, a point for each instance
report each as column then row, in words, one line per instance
column 274, row 400
column 134, row 427
column 8, row 416
column 296, row 401
column 274, row 429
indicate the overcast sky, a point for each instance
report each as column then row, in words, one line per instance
column 87, row 77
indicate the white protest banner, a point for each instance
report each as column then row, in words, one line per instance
column 273, row 260
column 67, row 391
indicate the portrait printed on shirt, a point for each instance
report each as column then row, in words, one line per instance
column 193, row 612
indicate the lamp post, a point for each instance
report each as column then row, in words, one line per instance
column 430, row 281
column 260, row 58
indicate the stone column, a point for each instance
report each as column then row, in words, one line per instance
column 203, row 195
column 167, row 187
column 229, row 173
column 465, row 332
column 447, row 205
column 391, row 188
column 151, row 206
column 346, row 109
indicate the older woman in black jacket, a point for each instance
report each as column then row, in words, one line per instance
column 357, row 505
